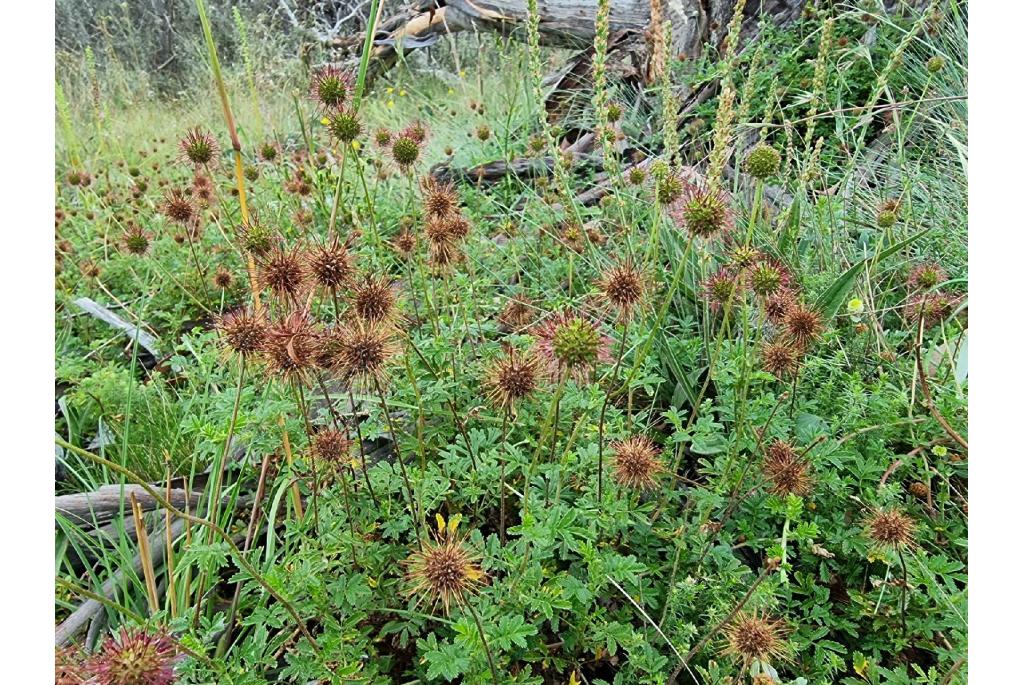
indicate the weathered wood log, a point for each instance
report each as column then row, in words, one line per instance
column 91, row 607
column 146, row 340
column 87, row 507
column 569, row 23
column 523, row 167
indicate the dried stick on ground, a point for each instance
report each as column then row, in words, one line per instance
column 91, row 607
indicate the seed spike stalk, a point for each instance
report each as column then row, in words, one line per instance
column 236, row 145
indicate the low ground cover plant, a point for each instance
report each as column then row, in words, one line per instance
column 368, row 411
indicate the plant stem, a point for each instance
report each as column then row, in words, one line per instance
column 903, row 591
column 416, row 519
column 604, row 408
column 362, row 452
column 483, row 640
column 236, row 144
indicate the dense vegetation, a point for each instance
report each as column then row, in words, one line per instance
column 695, row 412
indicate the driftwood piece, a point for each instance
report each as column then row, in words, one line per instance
column 105, row 502
column 523, row 167
column 567, row 23
column 91, row 607
column 146, row 340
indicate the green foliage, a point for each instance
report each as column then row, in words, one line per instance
column 571, row 585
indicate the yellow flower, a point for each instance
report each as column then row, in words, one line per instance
column 389, row 90
column 325, row 121
column 451, row 91
column 355, row 145
column 390, row 104
column 401, row 93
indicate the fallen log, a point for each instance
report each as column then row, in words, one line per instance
column 85, row 508
column 522, row 167
column 146, row 340
column 91, row 607
column 569, row 23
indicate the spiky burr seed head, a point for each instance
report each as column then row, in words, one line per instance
column 405, row 151
column 293, row 346
column 752, row 636
column 242, row 332
column 373, row 300
column 135, row 657
column 456, row 226
column 804, row 325
column 179, row 207
column 70, row 667
column 283, row 272
column 199, row 147
column 254, row 237
column 767, row 277
column 517, row 313
column 742, row 257
column 886, row 218
column 330, row 265
column 382, row 137
column 331, row 87
column 446, row 570
column 778, row 304
column 512, row 378
column 440, row 200
column 404, row 243
column 935, row 64
column 268, row 151
column 723, row 289
column 416, row 131
column 573, row 236
column 536, row 145
column 763, row 162
column 135, row 240
column 344, row 125
column 444, row 256
column 704, row 213
column 361, row 354
column 919, row 489
column 636, row 463
column 787, row 472
column 780, row 358
column 571, row 344
column 202, row 189
column 436, row 231
column 624, row 286
column 891, row 529
column 668, row 188
column 636, row 176
column 331, row 446
column 222, row 278
column 926, row 276
column 888, row 213
column 89, row 268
